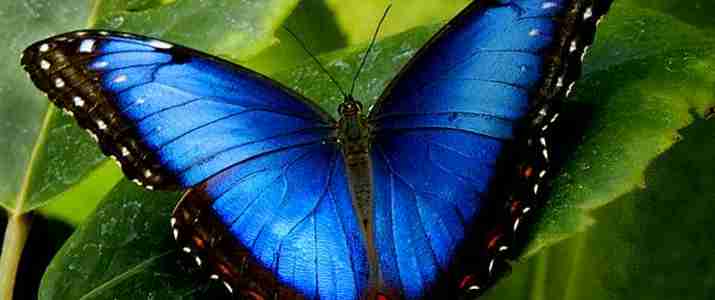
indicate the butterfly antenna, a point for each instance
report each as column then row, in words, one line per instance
column 369, row 48
column 305, row 48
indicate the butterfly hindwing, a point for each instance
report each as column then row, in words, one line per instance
column 443, row 130
column 292, row 210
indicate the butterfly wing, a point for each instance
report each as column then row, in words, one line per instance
column 443, row 128
column 273, row 194
column 287, row 214
column 168, row 114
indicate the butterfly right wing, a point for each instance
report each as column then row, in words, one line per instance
column 459, row 140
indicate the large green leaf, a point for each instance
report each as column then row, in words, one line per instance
column 650, row 76
column 654, row 242
column 644, row 90
column 234, row 29
column 123, row 251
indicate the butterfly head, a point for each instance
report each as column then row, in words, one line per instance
column 352, row 127
column 350, row 107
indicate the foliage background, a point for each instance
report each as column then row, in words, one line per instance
column 629, row 215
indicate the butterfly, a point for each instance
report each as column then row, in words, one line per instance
column 421, row 196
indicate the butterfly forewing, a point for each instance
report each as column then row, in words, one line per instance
column 169, row 115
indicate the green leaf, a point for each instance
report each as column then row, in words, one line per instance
column 650, row 76
column 697, row 13
column 630, row 111
column 359, row 18
column 124, row 251
column 654, row 242
column 237, row 30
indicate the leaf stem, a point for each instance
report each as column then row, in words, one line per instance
column 16, row 232
column 19, row 221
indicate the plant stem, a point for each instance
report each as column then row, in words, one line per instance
column 16, row 232
column 18, row 222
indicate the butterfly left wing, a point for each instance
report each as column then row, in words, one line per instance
column 269, row 209
column 460, row 134
column 171, row 116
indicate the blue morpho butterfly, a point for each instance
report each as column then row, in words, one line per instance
column 418, row 198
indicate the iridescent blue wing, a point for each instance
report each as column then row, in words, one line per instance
column 469, row 110
column 168, row 114
column 283, row 218
column 273, row 194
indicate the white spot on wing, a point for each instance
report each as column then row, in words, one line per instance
column 585, row 52
column 198, row 261
column 59, row 83
column 160, row 44
column 553, row 119
column 573, row 46
column 101, row 125
column 228, row 287
column 147, row 173
column 214, row 276
column 125, row 152
column 172, row 221
column 548, row 5
column 78, row 101
column 45, row 65
column 87, row 46
column 186, row 249
column 588, row 14
column 44, row 47
column 570, row 89
column 120, row 78
column 100, row 64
